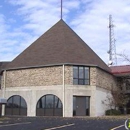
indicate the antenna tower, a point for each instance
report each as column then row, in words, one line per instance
column 112, row 45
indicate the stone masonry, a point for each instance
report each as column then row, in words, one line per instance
column 33, row 83
column 102, row 79
column 48, row 76
column 105, row 80
column 34, row 77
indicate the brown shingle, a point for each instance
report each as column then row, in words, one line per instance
column 60, row 44
column 3, row 65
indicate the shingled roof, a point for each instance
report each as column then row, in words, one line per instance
column 59, row 45
column 3, row 66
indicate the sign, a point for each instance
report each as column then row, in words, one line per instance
column 127, row 124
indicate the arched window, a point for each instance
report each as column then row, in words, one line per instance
column 16, row 105
column 49, row 105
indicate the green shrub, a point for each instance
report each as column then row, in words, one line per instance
column 113, row 112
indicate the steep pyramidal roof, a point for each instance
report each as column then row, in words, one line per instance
column 60, row 44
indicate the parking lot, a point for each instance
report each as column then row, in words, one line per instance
column 56, row 123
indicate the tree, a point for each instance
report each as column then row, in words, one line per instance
column 120, row 97
column 124, row 84
column 124, row 57
column 115, row 100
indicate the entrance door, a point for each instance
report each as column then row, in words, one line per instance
column 80, row 106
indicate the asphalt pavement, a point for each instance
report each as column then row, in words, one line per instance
column 57, row 123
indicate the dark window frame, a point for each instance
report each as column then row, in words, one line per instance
column 12, row 105
column 81, row 81
column 54, row 108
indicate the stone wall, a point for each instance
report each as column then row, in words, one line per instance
column 36, row 82
column 93, row 75
column 68, row 75
column 46, row 76
column 105, row 80
column 34, row 77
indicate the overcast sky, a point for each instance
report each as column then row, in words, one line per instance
column 23, row 21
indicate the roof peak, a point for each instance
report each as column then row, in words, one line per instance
column 60, row 44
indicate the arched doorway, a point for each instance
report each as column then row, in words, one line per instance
column 16, row 105
column 49, row 105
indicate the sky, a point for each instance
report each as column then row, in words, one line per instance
column 23, row 21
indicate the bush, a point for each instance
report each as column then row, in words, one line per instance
column 113, row 112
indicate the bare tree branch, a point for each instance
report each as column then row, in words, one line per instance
column 124, row 57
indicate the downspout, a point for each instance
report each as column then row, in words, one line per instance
column 4, row 84
column 63, row 90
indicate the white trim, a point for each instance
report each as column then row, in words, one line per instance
column 63, row 91
column 59, row 127
column 117, row 127
column 15, row 124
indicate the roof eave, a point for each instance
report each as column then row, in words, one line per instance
column 50, row 65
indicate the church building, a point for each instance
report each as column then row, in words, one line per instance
column 57, row 75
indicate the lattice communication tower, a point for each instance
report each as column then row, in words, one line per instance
column 112, row 45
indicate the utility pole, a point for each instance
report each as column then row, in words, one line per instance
column 112, row 45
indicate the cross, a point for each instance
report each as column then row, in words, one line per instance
column 61, row 9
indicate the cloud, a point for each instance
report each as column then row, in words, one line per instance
column 92, row 25
column 88, row 18
column 35, row 17
column 70, row 5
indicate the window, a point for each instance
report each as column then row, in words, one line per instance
column 80, row 75
column 49, row 105
column 16, row 105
